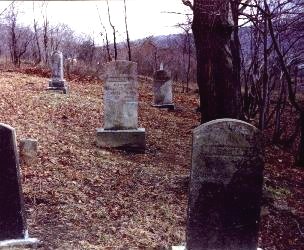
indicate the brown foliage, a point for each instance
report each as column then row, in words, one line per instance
column 81, row 197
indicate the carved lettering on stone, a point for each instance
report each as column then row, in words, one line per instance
column 225, row 186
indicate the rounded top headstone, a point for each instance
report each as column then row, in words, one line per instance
column 225, row 186
column 224, row 131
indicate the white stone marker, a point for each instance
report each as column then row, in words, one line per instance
column 57, row 82
column 121, row 108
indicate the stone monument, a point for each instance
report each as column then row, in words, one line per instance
column 121, row 108
column 28, row 151
column 57, row 82
column 162, row 89
column 225, row 186
column 13, row 229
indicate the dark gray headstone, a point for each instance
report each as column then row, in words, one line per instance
column 225, row 186
column 162, row 89
column 57, row 66
column 12, row 220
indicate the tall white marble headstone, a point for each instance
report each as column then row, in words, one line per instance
column 121, row 108
column 57, row 82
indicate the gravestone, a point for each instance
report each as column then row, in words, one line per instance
column 13, row 230
column 57, row 82
column 121, row 108
column 225, row 186
column 28, row 151
column 162, row 89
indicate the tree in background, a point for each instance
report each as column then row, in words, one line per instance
column 107, row 47
column 19, row 38
column 114, row 32
column 38, row 57
column 220, row 93
column 127, row 32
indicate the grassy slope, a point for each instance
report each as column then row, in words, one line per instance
column 81, row 197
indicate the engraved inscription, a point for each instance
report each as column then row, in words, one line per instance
column 222, row 161
column 222, row 150
column 120, row 91
column 119, row 79
column 120, row 96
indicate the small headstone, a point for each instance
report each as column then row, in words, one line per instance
column 28, row 151
column 162, row 89
column 161, row 67
column 57, row 82
column 12, row 217
column 121, row 108
column 225, row 186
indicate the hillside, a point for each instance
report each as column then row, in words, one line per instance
column 78, row 196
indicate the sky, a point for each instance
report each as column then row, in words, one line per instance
column 145, row 17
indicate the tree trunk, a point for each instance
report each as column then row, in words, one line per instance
column 38, row 57
column 300, row 156
column 114, row 32
column 264, row 101
column 217, row 83
column 127, row 32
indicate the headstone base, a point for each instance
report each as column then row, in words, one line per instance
column 184, row 248
column 132, row 140
column 58, row 86
column 170, row 106
column 26, row 242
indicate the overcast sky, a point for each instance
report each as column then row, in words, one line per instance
column 145, row 17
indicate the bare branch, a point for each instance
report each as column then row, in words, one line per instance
column 188, row 3
column 7, row 7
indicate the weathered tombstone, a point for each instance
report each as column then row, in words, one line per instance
column 161, row 66
column 28, row 151
column 121, row 108
column 57, row 82
column 13, row 229
column 162, row 89
column 225, row 186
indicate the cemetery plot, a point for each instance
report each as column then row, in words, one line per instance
column 78, row 196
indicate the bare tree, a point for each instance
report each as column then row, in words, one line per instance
column 45, row 29
column 127, row 32
column 218, row 86
column 19, row 38
column 38, row 58
column 186, row 27
column 106, row 36
column 3, row 11
column 114, row 32
column 277, row 36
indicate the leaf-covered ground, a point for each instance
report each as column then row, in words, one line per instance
column 78, row 196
